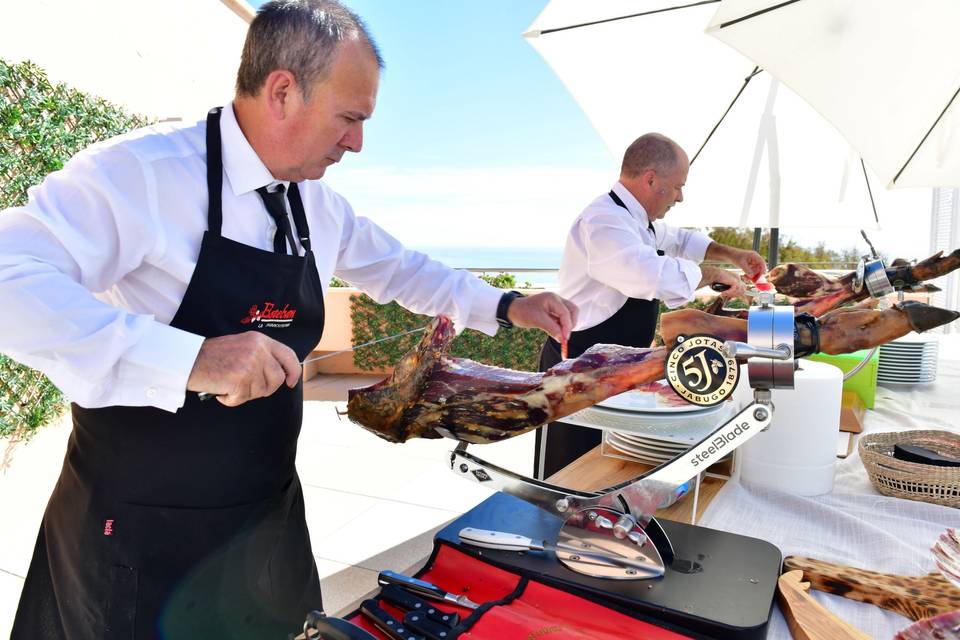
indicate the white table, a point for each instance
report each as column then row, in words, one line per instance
column 854, row 524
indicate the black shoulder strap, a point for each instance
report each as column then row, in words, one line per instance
column 619, row 203
column 214, row 172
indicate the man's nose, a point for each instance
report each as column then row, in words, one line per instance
column 352, row 140
column 679, row 195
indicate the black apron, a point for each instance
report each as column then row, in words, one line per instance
column 633, row 325
column 189, row 524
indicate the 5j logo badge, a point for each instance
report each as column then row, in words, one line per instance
column 700, row 372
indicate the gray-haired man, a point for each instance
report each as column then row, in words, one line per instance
column 210, row 247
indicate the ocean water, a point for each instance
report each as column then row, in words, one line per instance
column 538, row 264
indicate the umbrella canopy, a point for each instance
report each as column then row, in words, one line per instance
column 168, row 60
column 886, row 73
column 773, row 162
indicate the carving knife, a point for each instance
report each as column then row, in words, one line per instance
column 386, row 623
column 206, row 396
column 425, row 589
column 515, row 542
column 400, row 597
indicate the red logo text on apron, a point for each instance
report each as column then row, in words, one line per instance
column 108, row 527
column 271, row 316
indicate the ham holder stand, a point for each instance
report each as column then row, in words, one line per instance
column 609, row 546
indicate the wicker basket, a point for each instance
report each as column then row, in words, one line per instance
column 911, row 480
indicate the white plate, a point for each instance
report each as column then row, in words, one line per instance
column 907, row 367
column 649, row 402
column 676, row 428
column 639, row 452
column 653, row 444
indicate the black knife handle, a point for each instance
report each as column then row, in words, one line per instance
column 420, row 587
column 386, row 622
column 400, row 597
column 719, row 286
column 419, row 622
column 922, row 455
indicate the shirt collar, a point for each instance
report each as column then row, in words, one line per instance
column 633, row 205
column 244, row 168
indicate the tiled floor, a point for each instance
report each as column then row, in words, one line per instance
column 371, row 505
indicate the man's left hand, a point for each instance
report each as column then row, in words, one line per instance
column 546, row 311
column 751, row 262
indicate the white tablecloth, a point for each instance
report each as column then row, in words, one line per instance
column 854, row 524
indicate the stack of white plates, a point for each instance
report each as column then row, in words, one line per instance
column 653, row 425
column 651, row 449
column 911, row 359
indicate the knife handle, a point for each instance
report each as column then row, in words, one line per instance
column 498, row 540
column 400, row 597
column 420, row 623
column 420, row 587
column 386, row 623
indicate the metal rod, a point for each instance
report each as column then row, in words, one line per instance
column 633, row 15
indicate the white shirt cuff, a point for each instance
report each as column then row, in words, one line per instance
column 154, row 372
column 696, row 249
column 483, row 312
column 691, row 272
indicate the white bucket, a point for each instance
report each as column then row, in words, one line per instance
column 797, row 453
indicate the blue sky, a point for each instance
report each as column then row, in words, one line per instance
column 475, row 141
column 470, row 124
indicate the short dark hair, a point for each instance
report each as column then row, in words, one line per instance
column 650, row 151
column 300, row 36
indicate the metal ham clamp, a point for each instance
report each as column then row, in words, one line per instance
column 610, row 533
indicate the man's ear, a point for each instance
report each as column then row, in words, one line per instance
column 648, row 177
column 282, row 94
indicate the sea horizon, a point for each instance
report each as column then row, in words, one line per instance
column 543, row 260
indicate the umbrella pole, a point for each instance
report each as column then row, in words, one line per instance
column 774, row 254
column 757, row 235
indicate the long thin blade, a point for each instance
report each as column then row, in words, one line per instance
column 364, row 345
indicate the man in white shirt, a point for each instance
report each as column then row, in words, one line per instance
column 620, row 261
column 183, row 259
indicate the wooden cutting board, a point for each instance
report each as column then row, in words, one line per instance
column 807, row 618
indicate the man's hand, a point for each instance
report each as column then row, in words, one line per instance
column 713, row 275
column 242, row 367
column 546, row 311
column 751, row 262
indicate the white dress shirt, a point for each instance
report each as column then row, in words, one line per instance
column 125, row 219
column 611, row 255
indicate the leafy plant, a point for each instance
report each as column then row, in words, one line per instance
column 500, row 280
column 511, row 348
column 41, row 126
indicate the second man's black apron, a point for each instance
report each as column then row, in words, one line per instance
column 633, row 325
column 190, row 525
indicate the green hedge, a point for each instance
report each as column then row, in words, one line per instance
column 514, row 348
column 41, row 126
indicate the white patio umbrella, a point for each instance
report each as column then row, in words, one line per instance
column 166, row 60
column 886, row 73
column 646, row 65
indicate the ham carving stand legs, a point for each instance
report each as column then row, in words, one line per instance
column 613, row 533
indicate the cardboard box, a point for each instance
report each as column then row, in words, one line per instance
column 865, row 382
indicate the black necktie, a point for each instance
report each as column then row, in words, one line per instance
column 278, row 211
